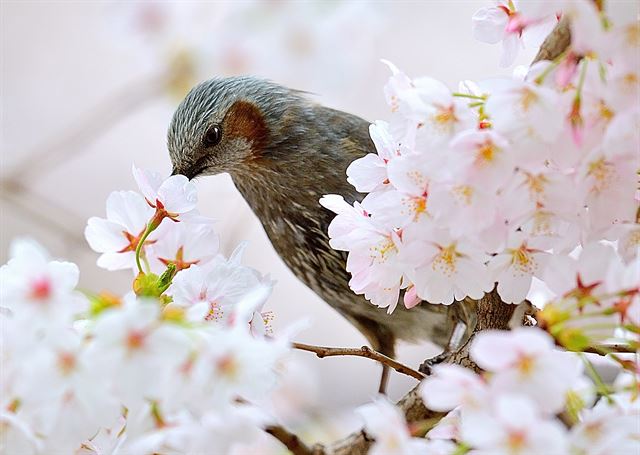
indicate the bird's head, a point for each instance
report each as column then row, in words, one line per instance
column 225, row 124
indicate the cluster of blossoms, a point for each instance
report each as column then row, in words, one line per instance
column 531, row 399
column 184, row 363
column 518, row 186
column 505, row 180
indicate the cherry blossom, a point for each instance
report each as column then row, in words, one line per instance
column 605, row 429
column 213, row 291
column 387, row 425
column 370, row 172
column 183, row 245
column 506, row 23
column 514, row 268
column 117, row 236
column 522, row 111
column 451, row 386
column 175, row 195
column 524, row 361
column 33, row 285
column 514, row 426
column 373, row 259
column 443, row 269
column 143, row 349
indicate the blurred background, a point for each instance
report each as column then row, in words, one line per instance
column 87, row 88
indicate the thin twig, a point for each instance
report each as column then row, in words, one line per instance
column 604, row 349
column 364, row 351
column 290, row 440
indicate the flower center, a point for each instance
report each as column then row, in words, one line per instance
column 445, row 261
column 516, row 441
column 380, row 251
column 525, row 364
column 602, row 173
column 133, row 241
column 527, row 98
column 486, row 153
column 135, row 339
column 522, row 260
column 179, row 261
column 66, row 362
column 227, row 365
column 536, row 184
column 41, row 289
column 445, row 117
column 463, row 193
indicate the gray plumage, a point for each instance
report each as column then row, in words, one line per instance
column 283, row 153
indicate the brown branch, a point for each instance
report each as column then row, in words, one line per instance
column 364, row 351
column 604, row 349
column 290, row 440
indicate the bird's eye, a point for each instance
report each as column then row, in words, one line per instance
column 212, row 136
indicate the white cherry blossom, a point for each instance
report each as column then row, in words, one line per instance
column 183, row 245
column 387, row 425
column 524, row 361
column 117, row 236
column 176, row 195
column 514, row 268
column 443, row 269
column 35, row 286
column 514, row 426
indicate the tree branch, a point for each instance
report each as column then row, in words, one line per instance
column 604, row 349
column 290, row 440
column 364, row 351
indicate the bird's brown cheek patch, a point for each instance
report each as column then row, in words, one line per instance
column 245, row 120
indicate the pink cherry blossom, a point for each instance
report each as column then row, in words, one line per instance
column 525, row 361
column 370, row 172
column 605, row 429
column 522, row 111
column 451, row 386
column 443, row 269
column 486, row 158
column 387, row 425
column 505, row 23
column 514, row 268
column 514, row 426
column 373, row 251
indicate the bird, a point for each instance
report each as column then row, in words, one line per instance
column 284, row 151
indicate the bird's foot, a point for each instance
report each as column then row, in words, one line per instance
column 427, row 366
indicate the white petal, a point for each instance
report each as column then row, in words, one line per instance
column 148, row 182
column 489, row 25
column 104, row 235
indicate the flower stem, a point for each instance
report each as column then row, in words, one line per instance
column 583, row 74
column 147, row 231
column 553, row 65
column 470, row 96
column 593, row 374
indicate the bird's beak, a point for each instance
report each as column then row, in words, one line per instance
column 189, row 173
